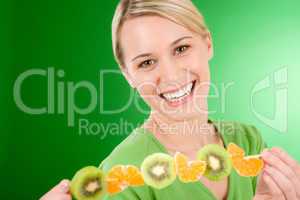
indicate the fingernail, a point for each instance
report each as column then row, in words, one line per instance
column 64, row 185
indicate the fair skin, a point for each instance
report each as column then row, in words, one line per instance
column 167, row 67
column 59, row 192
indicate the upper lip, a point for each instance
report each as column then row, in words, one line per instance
column 175, row 89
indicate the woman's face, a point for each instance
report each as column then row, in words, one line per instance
column 168, row 65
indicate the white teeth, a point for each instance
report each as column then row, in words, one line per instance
column 179, row 94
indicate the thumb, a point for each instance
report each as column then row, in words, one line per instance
column 63, row 186
column 261, row 186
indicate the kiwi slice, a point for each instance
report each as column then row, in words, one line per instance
column 218, row 161
column 158, row 170
column 88, row 184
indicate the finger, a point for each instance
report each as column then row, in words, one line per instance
column 271, row 159
column 66, row 197
column 273, row 187
column 283, row 182
column 64, row 186
column 287, row 159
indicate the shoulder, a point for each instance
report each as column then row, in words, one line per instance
column 131, row 151
column 243, row 134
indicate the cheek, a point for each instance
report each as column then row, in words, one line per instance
column 198, row 64
column 149, row 96
column 149, row 93
column 147, row 89
column 144, row 81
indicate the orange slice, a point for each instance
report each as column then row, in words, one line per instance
column 245, row 166
column 235, row 151
column 120, row 177
column 248, row 166
column 189, row 171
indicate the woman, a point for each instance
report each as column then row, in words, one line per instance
column 163, row 48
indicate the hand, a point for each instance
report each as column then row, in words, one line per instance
column 59, row 192
column 280, row 179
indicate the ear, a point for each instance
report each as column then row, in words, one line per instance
column 127, row 76
column 209, row 43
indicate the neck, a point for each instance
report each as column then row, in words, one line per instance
column 184, row 136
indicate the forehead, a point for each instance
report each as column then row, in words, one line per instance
column 147, row 32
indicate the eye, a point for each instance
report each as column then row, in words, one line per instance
column 146, row 64
column 181, row 49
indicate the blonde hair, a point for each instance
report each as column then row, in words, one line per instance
column 182, row 12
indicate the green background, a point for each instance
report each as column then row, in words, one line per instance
column 252, row 39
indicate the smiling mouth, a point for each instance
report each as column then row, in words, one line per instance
column 179, row 94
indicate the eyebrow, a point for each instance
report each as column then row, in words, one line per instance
column 141, row 55
column 172, row 44
column 178, row 40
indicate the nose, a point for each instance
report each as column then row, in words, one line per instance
column 169, row 71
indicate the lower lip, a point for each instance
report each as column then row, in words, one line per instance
column 181, row 101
